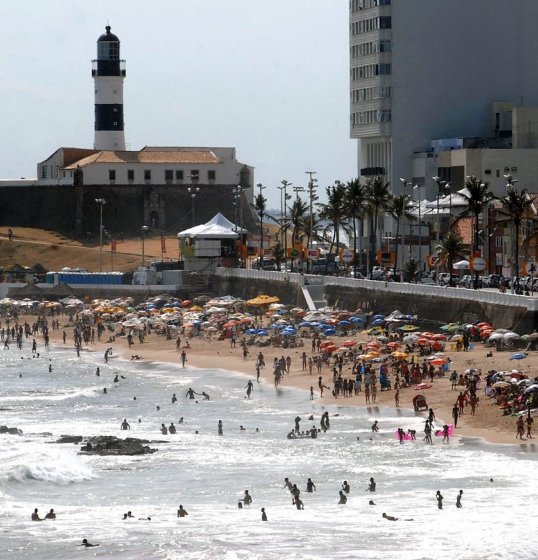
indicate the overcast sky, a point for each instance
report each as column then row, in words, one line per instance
column 267, row 77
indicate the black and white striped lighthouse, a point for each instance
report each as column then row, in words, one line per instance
column 108, row 72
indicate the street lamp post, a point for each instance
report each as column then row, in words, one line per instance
column 101, row 202
column 442, row 187
column 193, row 191
column 144, row 230
column 406, row 183
column 312, row 196
column 284, row 197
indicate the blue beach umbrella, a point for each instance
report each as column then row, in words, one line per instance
column 261, row 332
column 251, row 331
column 377, row 322
column 329, row 331
column 344, row 323
column 306, row 324
column 378, row 317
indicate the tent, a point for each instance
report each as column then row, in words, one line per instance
column 219, row 227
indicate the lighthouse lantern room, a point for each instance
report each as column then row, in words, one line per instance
column 108, row 72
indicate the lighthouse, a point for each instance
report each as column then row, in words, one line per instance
column 108, row 72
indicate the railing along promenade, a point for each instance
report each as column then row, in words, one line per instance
column 483, row 295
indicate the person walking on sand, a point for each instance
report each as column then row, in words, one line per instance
column 520, row 428
column 183, row 357
column 529, row 421
column 397, row 398
column 455, row 414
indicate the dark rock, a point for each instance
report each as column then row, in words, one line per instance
column 69, row 439
column 111, row 445
column 14, row 431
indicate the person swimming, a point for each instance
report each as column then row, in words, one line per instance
column 87, row 544
column 182, row 512
column 50, row 515
column 389, row 517
column 35, row 515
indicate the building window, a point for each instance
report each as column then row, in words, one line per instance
column 130, row 174
column 44, row 172
column 179, row 175
column 147, row 175
column 168, row 175
column 211, row 175
column 195, row 175
column 111, row 174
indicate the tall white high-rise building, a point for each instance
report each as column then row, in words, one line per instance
column 424, row 70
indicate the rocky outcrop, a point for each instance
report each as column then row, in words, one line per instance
column 69, row 439
column 13, row 431
column 111, row 445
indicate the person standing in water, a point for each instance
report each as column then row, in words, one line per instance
column 183, row 357
column 182, row 512
column 310, row 486
column 125, row 425
column 220, row 431
column 439, row 498
column 371, row 486
column 249, row 387
column 264, row 515
column 343, row 498
column 458, row 499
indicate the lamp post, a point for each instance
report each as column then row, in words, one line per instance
column 442, row 187
column 193, row 191
column 284, row 197
column 406, row 183
column 311, row 196
column 144, row 230
column 101, row 202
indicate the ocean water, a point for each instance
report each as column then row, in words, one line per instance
column 207, row 473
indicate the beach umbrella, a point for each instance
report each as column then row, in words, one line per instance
column 375, row 330
column 456, row 337
column 410, row 338
column 349, row 343
column 530, row 337
column 250, row 331
column 422, row 386
column 518, row 356
column 400, row 355
column 408, row 328
column 500, row 384
column 393, row 345
column 359, row 320
column 438, row 362
column 378, row 317
column 262, row 332
column 344, row 324
column 495, row 336
column 377, row 322
column 423, row 341
column 510, row 336
column 329, row 332
column 439, row 337
column 305, row 324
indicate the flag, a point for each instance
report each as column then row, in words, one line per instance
column 163, row 244
column 112, row 245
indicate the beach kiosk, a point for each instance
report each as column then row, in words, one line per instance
column 206, row 246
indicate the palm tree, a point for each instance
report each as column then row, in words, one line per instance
column 356, row 202
column 298, row 211
column 260, row 203
column 516, row 204
column 477, row 200
column 452, row 247
column 334, row 211
column 410, row 270
column 399, row 207
column 377, row 196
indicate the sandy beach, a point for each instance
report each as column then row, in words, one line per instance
column 488, row 422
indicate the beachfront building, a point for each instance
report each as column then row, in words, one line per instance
column 422, row 70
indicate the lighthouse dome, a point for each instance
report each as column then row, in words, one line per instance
column 108, row 37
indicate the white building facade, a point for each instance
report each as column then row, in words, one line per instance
column 428, row 69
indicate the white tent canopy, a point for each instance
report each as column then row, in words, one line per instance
column 219, row 227
column 211, row 231
column 461, row 265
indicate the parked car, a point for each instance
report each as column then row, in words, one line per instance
column 265, row 264
column 444, row 279
column 491, row 280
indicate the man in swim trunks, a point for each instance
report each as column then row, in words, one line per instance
column 181, row 512
column 50, row 515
